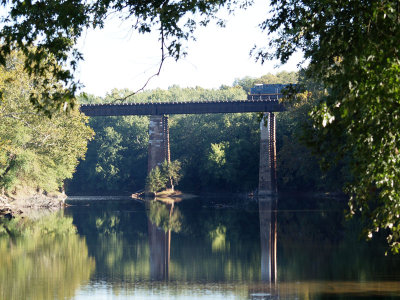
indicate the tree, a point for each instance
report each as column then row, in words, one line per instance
column 281, row 78
column 172, row 171
column 35, row 152
column 353, row 52
column 53, row 28
column 162, row 177
column 155, row 181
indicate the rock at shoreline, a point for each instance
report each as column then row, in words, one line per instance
column 19, row 204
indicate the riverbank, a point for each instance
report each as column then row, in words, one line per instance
column 173, row 196
column 168, row 196
column 18, row 204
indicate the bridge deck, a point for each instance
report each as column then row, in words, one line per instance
column 171, row 108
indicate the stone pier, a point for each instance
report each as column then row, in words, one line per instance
column 267, row 196
column 267, row 171
column 158, row 150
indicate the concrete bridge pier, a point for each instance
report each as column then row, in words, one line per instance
column 267, row 172
column 158, row 150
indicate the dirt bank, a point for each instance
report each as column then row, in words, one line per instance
column 18, row 204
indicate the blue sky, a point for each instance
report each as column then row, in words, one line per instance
column 116, row 57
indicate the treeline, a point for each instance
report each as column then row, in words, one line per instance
column 218, row 152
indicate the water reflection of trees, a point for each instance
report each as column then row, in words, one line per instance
column 165, row 216
column 217, row 242
column 162, row 219
column 315, row 244
column 116, row 235
column 45, row 259
column 212, row 244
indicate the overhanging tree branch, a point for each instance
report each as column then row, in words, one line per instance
column 163, row 57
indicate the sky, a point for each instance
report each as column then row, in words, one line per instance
column 116, row 57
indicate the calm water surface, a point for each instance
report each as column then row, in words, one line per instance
column 204, row 248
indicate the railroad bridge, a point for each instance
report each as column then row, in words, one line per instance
column 159, row 149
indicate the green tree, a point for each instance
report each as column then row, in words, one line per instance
column 280, row 78
column 172, row 171
column 217, row 160
column 165, row 176
column 116, row 160
column 155, row 181
column 353, row 51
column 35, row 152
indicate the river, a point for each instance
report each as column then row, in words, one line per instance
column 201, row 248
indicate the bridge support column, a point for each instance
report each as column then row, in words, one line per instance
column 267, row 196
column 158, row 150
column 267, row 172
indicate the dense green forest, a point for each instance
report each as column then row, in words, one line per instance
column 218, row 152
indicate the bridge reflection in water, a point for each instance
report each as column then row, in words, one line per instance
column 317, row 259
column 160, row 247
column 268, row 238
column 161, row 221
column 267, row 208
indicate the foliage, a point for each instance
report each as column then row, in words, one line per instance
column 298, row 168
column 353, row 51
column 280, row 78
column 36, row 152
column 172, row 171
column 177, row 94
column 54, row 27
column 217, row 160
column 116, row 159
column 121, row 143
column 156, row 181
column 216, row 152
column 207, row 168
column 161, row 177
